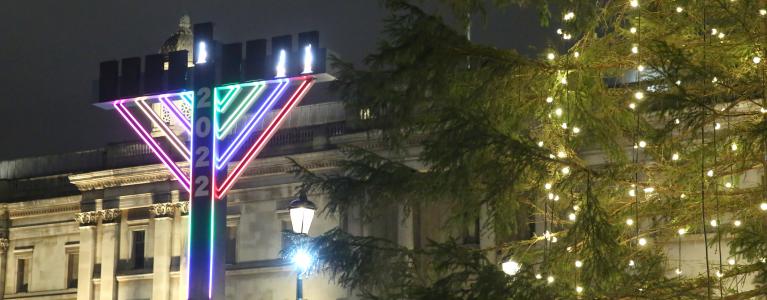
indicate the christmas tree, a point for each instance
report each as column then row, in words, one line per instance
column 600, row 169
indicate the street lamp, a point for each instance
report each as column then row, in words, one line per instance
column 301, row 216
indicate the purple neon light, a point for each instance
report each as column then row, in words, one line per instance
column 179, row 115
column 251, row 125
column 167, row 161
column 180, row 147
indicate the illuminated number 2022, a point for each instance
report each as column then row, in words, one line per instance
column 202, row 131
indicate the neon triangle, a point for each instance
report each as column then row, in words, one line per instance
column 277, row 88
column 274, row 90
column 159, row 149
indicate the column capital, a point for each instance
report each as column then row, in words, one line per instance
column 162, row 210
column 183, row 207
column 4, row 243
column 88, row 218
column 109, row 215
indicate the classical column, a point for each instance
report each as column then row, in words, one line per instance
column 110, row 219
column 4, row 243
column 486, row 240
column 405, row 228
column 163, row 223
column 87, row 254
column 183, row 278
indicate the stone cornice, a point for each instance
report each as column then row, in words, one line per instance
column 44, row 210
column 327, row 159
column 40, row 207
column 122, row 176
column 158, row 173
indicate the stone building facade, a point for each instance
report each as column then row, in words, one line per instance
column 128, row 237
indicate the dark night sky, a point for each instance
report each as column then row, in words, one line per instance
column 50, row 50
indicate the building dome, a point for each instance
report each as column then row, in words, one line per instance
column 183, row 39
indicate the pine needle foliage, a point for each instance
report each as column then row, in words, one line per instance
column 466, row 128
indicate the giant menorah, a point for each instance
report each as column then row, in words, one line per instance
column 219, row 125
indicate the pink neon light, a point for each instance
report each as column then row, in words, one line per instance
column 251, row 125
column 180, row 147
column 179, row 116
column 167, row 161
column 256, row 148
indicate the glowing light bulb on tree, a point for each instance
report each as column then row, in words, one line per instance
column 511, row 267
column 551, row 56
column 566, row 170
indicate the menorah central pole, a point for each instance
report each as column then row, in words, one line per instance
column 208, row 214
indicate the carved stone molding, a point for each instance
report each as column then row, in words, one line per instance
column 87, row 218
column 162, row 210
column 36, row 211
column 183, row 207
column 109, row 215
column 4, row 243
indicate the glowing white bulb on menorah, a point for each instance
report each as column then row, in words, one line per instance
column 308, row 59
column 202, row 57
column 280, row 69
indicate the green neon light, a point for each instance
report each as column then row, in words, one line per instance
column 232, row 90
column 255, row 92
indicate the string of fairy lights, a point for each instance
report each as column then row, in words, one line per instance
column 560, row 114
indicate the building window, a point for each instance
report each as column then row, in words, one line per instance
column 231, row 245
column 365, row 114
column 73, row 259
column 138, row 238
column 22, row 275
column 472, row 233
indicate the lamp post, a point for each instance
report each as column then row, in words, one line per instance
column 301, row 216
